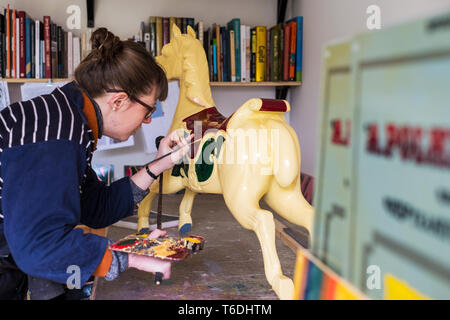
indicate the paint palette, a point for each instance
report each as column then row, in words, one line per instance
column 166, row 248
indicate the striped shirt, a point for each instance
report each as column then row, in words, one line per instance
column 47, row 186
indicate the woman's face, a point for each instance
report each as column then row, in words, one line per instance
column 125, row 116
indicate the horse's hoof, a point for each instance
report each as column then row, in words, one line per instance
column 144, row 231
column 185, row 228
column 284, row 288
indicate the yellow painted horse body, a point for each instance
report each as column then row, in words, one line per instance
column 232, row 167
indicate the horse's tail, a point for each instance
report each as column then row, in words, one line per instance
column 283, row 141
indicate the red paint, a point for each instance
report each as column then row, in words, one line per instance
column 274, row 105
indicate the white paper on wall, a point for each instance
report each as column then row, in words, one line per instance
column 4, row 95
column 161, row 119
column 31, row 90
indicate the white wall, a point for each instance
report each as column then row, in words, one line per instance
column 326, row 20
column 123, row 18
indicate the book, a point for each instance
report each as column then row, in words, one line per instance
column 242, row 54
column 166, row 33
column 179, row 22
column 27, row 47
column 260, row 53
column 275, row 44
column 172, row 21
column 298, row 48
column 70, row 54
column 159, row 35
column 152, row 30
column 47, row 47
column 17, row 46
column 8, row 42
column 224, row 54
column 76, row 52
column 218, row 44
column 60, row 56
column 147, row 38
column 54, row 50
column 235, row 25
column 286, row 51
column 247, row 53
column 200, row 31
column 37, row 42
column 253, row 54
column 292, row 50
column 268, row 55
column 14, row 34
column 33, row 49
column 190, row 22
column 232, row 56
column 214, row 53
column 183, row 25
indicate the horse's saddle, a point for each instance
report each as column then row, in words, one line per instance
column 210, row 118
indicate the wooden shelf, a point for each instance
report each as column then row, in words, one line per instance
column 24, row 80
column 256, row 84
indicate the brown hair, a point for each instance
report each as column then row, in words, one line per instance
column 117, row 64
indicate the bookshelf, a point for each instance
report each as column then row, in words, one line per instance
column 212, row 84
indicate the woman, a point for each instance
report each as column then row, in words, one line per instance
column 47, row 184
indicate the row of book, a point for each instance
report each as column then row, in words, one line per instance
column 36, row 49
column 237, row 52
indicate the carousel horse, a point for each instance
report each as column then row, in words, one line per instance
column 222, row 163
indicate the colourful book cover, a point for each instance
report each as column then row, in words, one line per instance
column 299, row 47
column 47, row 47
column 253, row 55
column 260, row 53
column 152, row 27
column 286, row 50
column 22, row 44
column 232, row 57
column 214, row 52
column 159, row 35
column 27, row 47
column 166, row 31
column 235, row 25
column 13, row 44
column 8, row 42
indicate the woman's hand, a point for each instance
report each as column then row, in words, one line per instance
column 174, row 141
column 150, row 264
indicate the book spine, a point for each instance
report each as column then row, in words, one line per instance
column 247, row 52
column 268, row 55
column 237, row 48
column 190, row 22
column 200, row 31
column 47, row 47
column 292, row 55
column 210, row 55
column 65, row 55
column 76, row 52
column 253, row 54
column 17, row 46
column 223, row 37
column 260, row 53
column 54, row 31
column 22, row 44
column 243, row 60
column 218, row 54
column 1, row 45
column 172, row 21
column 8, row 42
column 184, row 25
column 60, row 52
column 42, row 59
column 159, row 35
column 232, row 56
column 214, row 51
column 33, row 49
column 299, row 48
column 166, row 33
column 69, row 54
column 13, row 44
column 276, row 54
column 27, row 48
column 152, row 28
column 179, row 22
column 286, row 48
column 37, row 42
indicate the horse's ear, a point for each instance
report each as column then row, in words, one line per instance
column 175, row 31
column 190, row 31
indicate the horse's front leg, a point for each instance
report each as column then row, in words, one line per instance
column 144, row 212
column 185, row 220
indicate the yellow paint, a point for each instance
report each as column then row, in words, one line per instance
column 299, row 276
column 396, row 289
column 242, row 182
column 192, row 240
column 344, row 293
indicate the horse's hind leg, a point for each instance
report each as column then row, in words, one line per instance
column 144, row 212
column 251, row 216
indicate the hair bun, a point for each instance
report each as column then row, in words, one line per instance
column 105, row 42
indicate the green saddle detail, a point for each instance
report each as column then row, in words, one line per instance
column 204, row 166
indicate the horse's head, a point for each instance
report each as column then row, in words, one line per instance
column 184, row 58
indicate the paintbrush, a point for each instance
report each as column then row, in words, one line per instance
column 175, row 150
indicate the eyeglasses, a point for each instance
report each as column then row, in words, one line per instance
column 151, row 109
